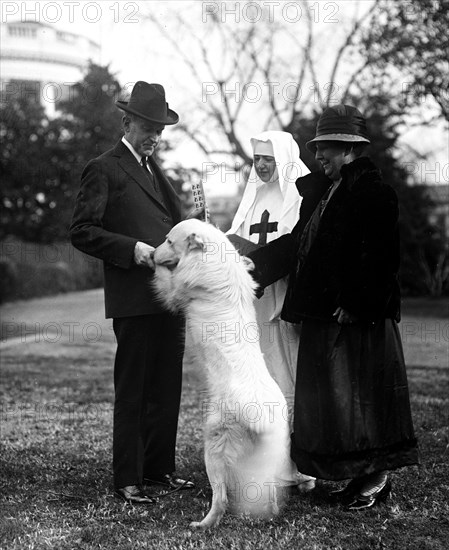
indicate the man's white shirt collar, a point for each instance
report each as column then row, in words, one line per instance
column 133, row 151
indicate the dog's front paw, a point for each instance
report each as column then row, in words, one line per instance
column 197, row 525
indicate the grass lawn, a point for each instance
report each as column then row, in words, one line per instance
column 56, row 481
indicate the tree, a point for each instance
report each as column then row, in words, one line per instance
column 266, row 69
column 32, row 191
column 418, row 233
column 91, row 121
column 294, row 71
column 420, row 245
column 407, row 46
column 263, row 68
column 42, row 158
column 90, row 115
column 410, row 36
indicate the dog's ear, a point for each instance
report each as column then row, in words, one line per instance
column 194, row 241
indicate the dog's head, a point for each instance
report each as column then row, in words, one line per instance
column 180, row 262
column 197, row 261
column 186, row 237
column 194, row 237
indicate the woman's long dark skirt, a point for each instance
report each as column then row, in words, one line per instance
column 352, row 409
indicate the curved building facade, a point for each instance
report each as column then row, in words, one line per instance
column 39, row 59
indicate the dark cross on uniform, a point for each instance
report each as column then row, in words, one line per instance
column 263, row 228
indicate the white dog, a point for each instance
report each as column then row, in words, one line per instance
column 198, row 271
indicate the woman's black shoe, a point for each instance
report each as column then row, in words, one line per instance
column 361, row 502
column 348, row 493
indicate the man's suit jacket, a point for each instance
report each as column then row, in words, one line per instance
column 117, row 206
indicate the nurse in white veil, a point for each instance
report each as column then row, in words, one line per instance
column 270, row 208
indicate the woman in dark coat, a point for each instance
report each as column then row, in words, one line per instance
column 352, row 413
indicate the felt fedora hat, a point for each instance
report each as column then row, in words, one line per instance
column 148, row 101
column 340, row 123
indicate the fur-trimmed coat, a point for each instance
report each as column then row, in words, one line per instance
column 354, row 258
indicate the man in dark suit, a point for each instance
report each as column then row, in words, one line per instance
column 124, row 209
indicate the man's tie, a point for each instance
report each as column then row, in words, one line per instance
column 150, row 175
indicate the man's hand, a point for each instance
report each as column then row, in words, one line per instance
column 344, row 317
column 143, row 255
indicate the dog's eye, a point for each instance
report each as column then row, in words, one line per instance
column 169, row 242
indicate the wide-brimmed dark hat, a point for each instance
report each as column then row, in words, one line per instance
column 148, row 101
column 340, row 123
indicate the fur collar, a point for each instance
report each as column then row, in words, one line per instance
column 311, row 182
column 362, row 166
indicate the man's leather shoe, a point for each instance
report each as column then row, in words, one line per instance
column 134, row 494
column 169, row 480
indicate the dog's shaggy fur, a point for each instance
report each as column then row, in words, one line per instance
column 199, row 272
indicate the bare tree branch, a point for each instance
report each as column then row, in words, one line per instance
column 357, row 23
column 256, row 54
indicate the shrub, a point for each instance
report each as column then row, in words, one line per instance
column 9, row 279
column 30, row 270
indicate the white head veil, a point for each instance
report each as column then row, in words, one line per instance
column 290, row 167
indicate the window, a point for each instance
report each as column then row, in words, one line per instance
column 21, row 31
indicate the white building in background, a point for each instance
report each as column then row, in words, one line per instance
column 41, row 61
